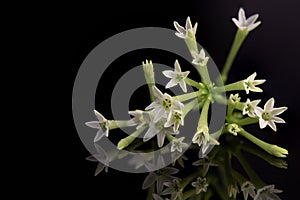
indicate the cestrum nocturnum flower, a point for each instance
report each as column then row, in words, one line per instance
column 268, row 115
column 163, row 104
column 176, row 76
column 248, row 189
column 178, row 144
column 157, row 128
column 102, row 126
column 233, row 129
column 267, row 192
column 246, row 24
column 176, row 119
column 200, row 185
column 203, row 138
column 138, row 118
column 199, row 59
column 188, row 31
column 250, row 84
column 249, row 107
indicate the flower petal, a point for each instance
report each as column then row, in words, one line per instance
column 278, row 111
column 253, row 26
column 242, row 16
column 269, row 105
column 272, row 125
column 182, row 84
column 157, row 93
column 149, row 134
column 262, row 123
column 172, row 83
column 236, row 22
column 177, row 66
column 93, row 124
column 149, row 180
column 188, row 24
column 258, row 111
column 98, row 136
column 179, row 28
column 160, row 139
column 169, row 74
column 278, row 120
column 252, row 19
column 99, row 116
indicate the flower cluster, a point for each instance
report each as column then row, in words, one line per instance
column 165, row 115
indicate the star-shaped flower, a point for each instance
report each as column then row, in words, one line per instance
column 233, row 129
column 267, row 192
column 163, row 105
column 138, row 118
column 268, row 115
column 203, row 139
column 250, row 84
column 234, row 98
column 178, row 144
column 176, row 76
column 158, row 129
column 199, row 59
column 200, row 185
column 248, row 189
column 249, row 107
column 174, row 188
column 246, row 24
column 102, row 126
column 176, row 119
column 188, row 31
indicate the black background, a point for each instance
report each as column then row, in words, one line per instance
column 63, row 35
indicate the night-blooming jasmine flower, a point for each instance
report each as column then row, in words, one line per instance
column 246, row 24
column 248, row 189
column 250, row 84
column 160, row 177
column 157, row 128
column 176, row 119
column 233, row 129
column 178, row 144
column 199, row 59
column 102, row 126
column 268, row 115
column 157, row 197
column 163, row 104
column 176, row 76
column 174, row 188
column 232, row 190
column 188, row 31
column 267, row 192
column 200, row 185
column 234, row 99
column 249, row 107
column 203, row 139
column 138, row 118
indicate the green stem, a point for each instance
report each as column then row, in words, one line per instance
column 192, row 83
column 189, row 193
column 204, row 113
column 113, row 124
column 270, row 148
column 185, row 97
column 150, row 192
column 129, row 139
column 203, row 71
column 256, row 180
column 248, row 120
column 240, row 36
column 189, row 106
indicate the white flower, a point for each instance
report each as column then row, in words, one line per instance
column 163, row 105
column 188, row 31
column 203, row 138
column 249, row 107
column 175, row 189
column 250, row 83
column 178, row 145
column 102, row 126
column 200, row 185
column 232, row 190
column 268, row 115
column 248, row 189
column 138, row 118
column 176, row 77
column 267, row 192
column 233, row 129
column 157, row 128
column 199, row 59
column 246, row 24
column 176, row 119
column 234, row 98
